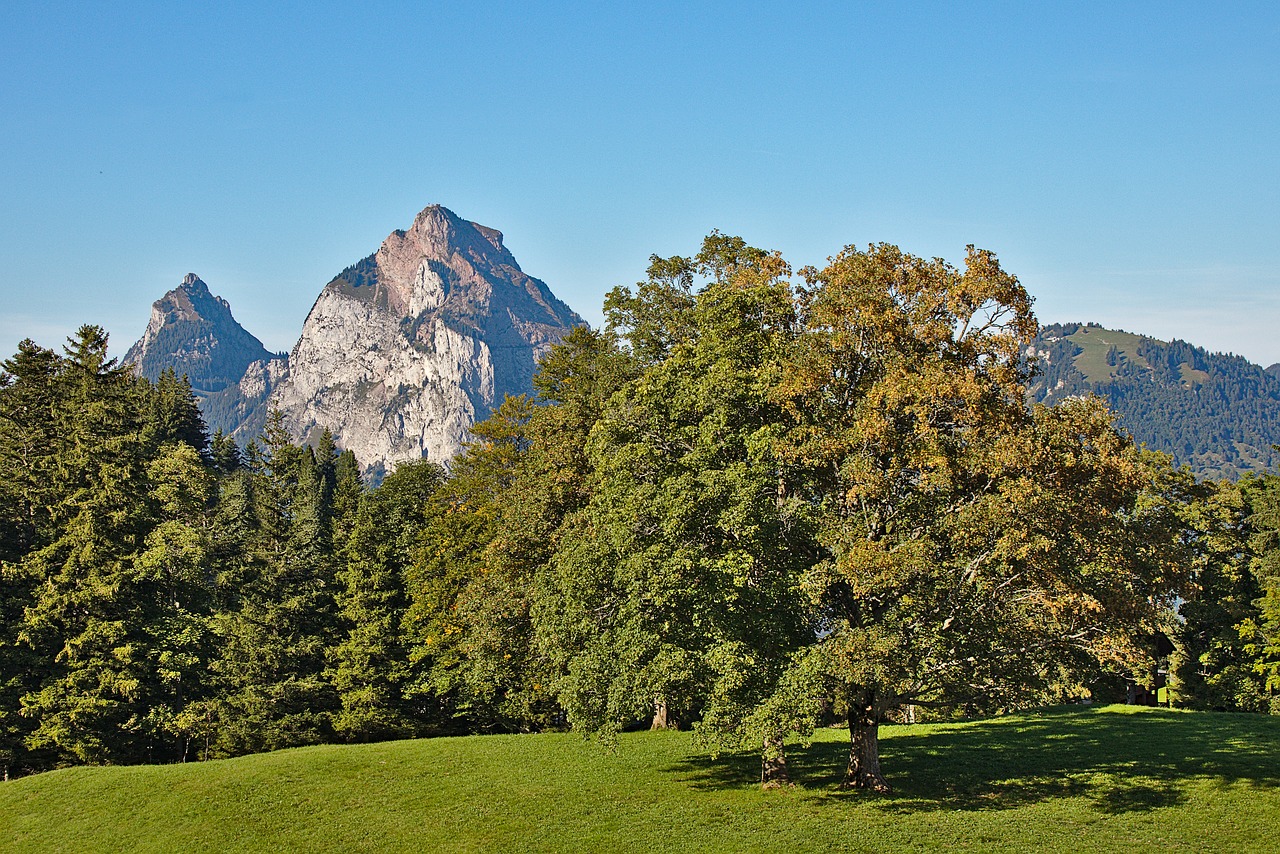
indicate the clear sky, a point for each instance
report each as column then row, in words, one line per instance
column 1123, row 159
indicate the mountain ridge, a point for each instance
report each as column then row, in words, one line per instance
column 1217, row 413
column 403, row 350
column 400, row 354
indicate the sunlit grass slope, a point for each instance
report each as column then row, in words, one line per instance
column 1096, row 342
column 1110, row 779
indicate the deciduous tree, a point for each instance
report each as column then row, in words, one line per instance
column 972, row 545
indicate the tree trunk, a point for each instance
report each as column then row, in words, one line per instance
column 773, row 765
column 662, row 717
column 864, row 751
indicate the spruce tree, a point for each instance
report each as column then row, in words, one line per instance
column 281, row 615
column 88, row 619
column 28, row 397
column 370, row 666
column 173, row 414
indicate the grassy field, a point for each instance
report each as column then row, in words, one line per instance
column 1078, row 779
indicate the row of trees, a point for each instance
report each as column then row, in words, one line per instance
column 744, row 506
column 162, row 594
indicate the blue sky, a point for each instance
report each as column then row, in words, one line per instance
column 1122, row 159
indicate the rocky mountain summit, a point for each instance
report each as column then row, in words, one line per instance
column 194, row 332
column 404, row 350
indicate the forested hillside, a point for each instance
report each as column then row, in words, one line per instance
column 1215, row 412
column 741, row 507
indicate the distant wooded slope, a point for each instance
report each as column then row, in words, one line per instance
column 1215, row 412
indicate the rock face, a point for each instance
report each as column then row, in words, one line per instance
column 193, row 332
column 405, row 350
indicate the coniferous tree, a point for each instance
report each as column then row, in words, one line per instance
column 280, row 614
column 224, row 454
column 28, row 397
column 1264, row 637
column 89, row 618
column 173, row 414
column 28, row 444
column 1227, row 652
column 370, row 666
column 175, row 565
column 348, row 489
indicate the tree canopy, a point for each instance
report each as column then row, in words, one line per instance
column 756, row 501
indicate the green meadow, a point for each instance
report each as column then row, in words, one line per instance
column 1068, row 779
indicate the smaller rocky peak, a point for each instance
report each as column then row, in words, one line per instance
column 192, row 301
column 194, row 332
column 1274, row 370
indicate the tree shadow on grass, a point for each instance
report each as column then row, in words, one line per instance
column 1122, row 762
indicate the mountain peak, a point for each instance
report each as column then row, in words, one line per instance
column 193, row 332
column 404, row 350
column 438, row 224
column 443, row 260
column 438, row 232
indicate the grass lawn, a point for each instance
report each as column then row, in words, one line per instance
column 1068, row 779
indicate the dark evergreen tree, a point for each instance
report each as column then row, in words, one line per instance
column 280, row 614
column 1264, row 636
column 1227, row 656
column 225, row 454
column 173, row 414
column 370, row 666
column 28, row 397
column 93, row 613
column 347, row 491
column 29, row 401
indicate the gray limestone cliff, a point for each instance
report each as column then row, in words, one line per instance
column 405, row 350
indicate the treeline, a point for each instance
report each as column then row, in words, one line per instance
column 744, row 506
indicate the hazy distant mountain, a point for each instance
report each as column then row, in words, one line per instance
column 1217, row 413
column 404, row 350
column 193, row 332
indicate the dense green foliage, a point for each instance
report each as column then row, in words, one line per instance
column 1068, row 780
column 1227, row 644
column 747, row 507
column 1215, row 412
